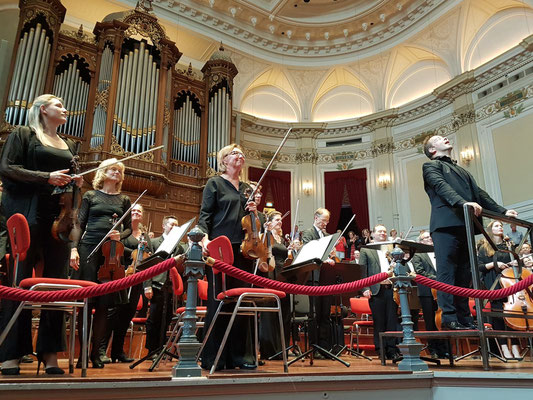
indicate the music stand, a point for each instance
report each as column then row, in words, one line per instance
column 336, row 274
column 163, row 252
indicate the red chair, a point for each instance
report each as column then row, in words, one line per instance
column 245, row 300
column 19, row 235
column 360, row 307
column 139, row 322
column 172, row 343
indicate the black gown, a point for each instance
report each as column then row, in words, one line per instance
column 489, row 277
column 25, row 168
column 220, row 214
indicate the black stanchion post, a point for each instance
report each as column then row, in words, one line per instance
column 409, row 347
column 188, row 343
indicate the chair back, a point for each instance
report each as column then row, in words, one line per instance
column 140, row 303
column 301, row 305
column 19, row 235
column 220, row 249
column 202, row 289
column 177, row 282
column 472, row 306
column 359, row 305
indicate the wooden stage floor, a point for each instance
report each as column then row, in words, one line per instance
column 118, row 381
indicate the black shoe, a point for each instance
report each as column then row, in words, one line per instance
column 319, row 356
column 470, row 325
column 261, row 362
column 10, row 371
column 97, row 362
column 444, row 355
column 453, row 326
column 121, row 358
column 248, row 366
column 105, row 359
column 433, row 355
column 27, row 359
column 48, row 370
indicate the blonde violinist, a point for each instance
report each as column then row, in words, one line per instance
column 224, row 204
column 35, row 160
column 491, row 264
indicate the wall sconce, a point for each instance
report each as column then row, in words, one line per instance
column 384, row 181
column 307, row 188
column 467, row 155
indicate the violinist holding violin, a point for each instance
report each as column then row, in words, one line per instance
column 270, row 342
column 36, row 159
column 224, row 204
column 137, row 246
column 491, row 265
column 98, row 210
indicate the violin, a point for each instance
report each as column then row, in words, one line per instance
column 138, row 255
column 520, row 303
column 112, row 250
column 67, row 222
column 253, row 246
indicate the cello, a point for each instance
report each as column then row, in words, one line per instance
column 520, row 303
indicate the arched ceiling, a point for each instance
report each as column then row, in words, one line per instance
column 332, row 59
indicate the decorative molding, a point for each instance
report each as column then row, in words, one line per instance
column 80, row 36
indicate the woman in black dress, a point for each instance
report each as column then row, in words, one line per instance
column 34, row 161
column 491, row 263
column 96, row 214
column 270, row 340
column 119, row 317
column 224, row 203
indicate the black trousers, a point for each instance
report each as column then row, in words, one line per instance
column 119, row 319
column 453, row 267
column 320, row 333
column 51, row 335
column 385, row 318
column 156, row 325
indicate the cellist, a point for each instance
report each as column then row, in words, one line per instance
column 491, row 264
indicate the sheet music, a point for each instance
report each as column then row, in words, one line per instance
column 174, row 236
column 313, row 250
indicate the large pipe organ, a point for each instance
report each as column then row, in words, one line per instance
column 125, row 94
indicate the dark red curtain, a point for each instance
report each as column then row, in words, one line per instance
column 279, row 184
column 355, row 182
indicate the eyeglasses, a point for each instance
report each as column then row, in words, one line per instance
column 237, row 153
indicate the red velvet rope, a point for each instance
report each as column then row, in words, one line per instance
column 15, row 294
column 291, row 288
column 360, row 284
column 475, row 293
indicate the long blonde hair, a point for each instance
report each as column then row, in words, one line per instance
column 35, row 118
column 484, row 244
column 99, row 177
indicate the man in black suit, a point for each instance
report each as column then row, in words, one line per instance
column 449, row 188
column 155, row 291
column 380, row 296
column 424, row 264
column 322, row 303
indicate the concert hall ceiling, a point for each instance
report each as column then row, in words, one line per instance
column 330, row 60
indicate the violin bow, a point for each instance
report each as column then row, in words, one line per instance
column 295, row 221
column 344, row 230
column 258, row 185
column 121, row 160
column 117, row 224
